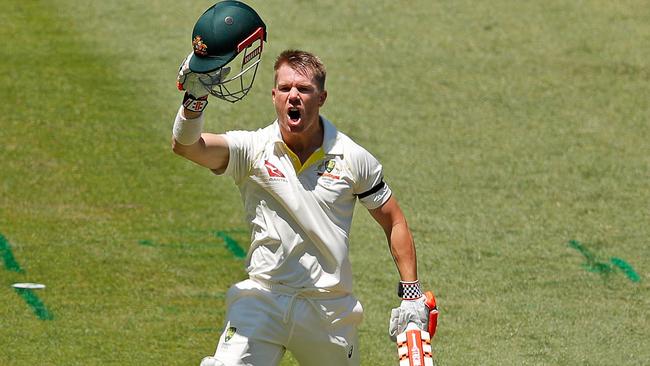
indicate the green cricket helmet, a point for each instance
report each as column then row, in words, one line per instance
column 228, row 30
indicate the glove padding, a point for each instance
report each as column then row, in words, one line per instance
column 211, row 361
column 409, row 311
column 198, row 85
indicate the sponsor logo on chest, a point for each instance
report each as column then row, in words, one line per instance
column 274, row 173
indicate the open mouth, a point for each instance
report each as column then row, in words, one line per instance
column 294, row 114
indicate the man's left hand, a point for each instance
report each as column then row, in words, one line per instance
column 409, row 311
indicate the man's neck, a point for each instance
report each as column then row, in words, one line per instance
column 304, row 144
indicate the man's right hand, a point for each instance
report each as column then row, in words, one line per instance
column 198, row 85
column 189, row 81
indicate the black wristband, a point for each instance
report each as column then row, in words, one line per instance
column 409, row 290
column 194, row 104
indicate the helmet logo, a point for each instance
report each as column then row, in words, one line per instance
column 229, row 20
column 200, row 48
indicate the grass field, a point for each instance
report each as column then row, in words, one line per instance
column 506, row 129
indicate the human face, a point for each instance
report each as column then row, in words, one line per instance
column 297, row 99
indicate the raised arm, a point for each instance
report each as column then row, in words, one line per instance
column 206, row 149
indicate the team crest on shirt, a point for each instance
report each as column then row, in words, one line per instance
column 330, row 166
column 328, row 169
column 230, row 332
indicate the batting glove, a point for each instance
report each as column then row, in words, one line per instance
column 413, row 309
column 198, row 85
column 211, row 361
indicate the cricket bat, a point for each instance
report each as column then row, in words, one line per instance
column 414, row 344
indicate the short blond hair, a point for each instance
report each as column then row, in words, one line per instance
column 305, row 63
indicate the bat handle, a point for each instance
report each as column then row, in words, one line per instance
column 412, row 326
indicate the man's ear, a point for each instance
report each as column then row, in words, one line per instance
column 322, row 97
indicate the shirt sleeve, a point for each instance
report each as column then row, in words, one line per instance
column 370, row 188
column 241, row 146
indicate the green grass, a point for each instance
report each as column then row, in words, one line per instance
column 505, row 128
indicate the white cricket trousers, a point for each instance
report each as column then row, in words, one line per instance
column 265, row 320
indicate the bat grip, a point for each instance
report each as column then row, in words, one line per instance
column 412, row 326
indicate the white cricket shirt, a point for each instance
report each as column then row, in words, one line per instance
column 300, row 214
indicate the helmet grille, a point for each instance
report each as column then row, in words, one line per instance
column 235, row 88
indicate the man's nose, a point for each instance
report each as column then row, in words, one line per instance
column 293, row 93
